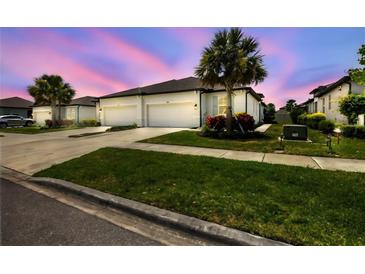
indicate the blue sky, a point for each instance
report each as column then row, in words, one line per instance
column 98, row 61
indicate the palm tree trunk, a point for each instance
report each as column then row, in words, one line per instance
column 53, row 109
column 229, row 110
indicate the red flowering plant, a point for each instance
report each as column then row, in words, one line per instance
column 246, row 121
column 216, row 122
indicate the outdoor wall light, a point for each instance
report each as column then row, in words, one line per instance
column 195, row 106
column 100, row 109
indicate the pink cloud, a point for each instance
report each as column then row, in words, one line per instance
column 12, row 92
column 32, row 61
column 122, row 50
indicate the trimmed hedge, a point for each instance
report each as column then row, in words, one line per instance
column 352, row 131
column 326, row 126
column 59, row 123
column 89, row 123
column 313, row 119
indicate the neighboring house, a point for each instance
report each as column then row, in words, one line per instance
column 175, row 103
column 282, row 116
column 326, row 98
column 79, row 109
column 17, row 106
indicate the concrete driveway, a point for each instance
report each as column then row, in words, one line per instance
column 30, row 153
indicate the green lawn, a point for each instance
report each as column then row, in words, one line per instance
column 35, row 129
column 348, row 147
column 297, row 205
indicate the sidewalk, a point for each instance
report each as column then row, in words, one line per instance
column 327, row 163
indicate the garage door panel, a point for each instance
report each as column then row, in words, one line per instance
column 41, row 116
column 171, row 115
column 120, row 116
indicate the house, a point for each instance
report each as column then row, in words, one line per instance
column 174, row 103
column 79, row 109
column 326, row 98
column 17, row 106
column 282, row 116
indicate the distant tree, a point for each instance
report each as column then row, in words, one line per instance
column 269, row 113
column 51, row 90
column 290, row 104
column 352, row 106
column 231, row 59
column 358, row 74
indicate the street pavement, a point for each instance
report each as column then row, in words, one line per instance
column 29, row 218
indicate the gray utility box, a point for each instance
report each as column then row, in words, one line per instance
column 295, row 132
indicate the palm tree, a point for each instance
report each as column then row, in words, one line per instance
column 231, row 60
column 51, row 90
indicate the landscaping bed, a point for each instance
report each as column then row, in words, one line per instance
column 292, row 204
column 268, row 142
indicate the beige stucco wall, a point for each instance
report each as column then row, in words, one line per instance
column 333, row 96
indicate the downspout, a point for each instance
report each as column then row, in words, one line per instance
column 200, row 108
column 246, row 103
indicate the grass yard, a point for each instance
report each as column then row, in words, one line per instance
column 348, row 147
column 35, row 129
column 297, row 205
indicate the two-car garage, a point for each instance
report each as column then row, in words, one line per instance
column 157, row 110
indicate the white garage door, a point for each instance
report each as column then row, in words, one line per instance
column 41, row 116
column 171, row 115
column 120, row 116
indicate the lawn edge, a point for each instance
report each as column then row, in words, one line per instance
column 183, row 222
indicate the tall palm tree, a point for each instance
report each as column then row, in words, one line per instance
column 53, row 91
column 231, row 60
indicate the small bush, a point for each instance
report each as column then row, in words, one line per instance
column 353, row 131
column 89, row 123
column 326, row 126
column 302, row 119
column 205, row 131
column 295, row 113
column 216, row 122
column 360, row 132
column 313, row 119
column 245, row 120
column 59, row 123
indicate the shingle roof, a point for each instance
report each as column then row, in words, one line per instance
column 181, row 85
column 15, row 102
column 324, row 89
column 84, row 101
column 81, row 101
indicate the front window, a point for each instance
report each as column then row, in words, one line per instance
column 219, row 105
column 323, row 105
column 222, row 105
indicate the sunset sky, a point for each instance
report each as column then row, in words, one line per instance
column 98, row 61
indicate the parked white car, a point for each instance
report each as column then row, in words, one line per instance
column 14, row 120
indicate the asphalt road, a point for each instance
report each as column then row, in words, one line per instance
column 29, row 218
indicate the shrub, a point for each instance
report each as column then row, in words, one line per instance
column 205, row 131
column 326, row 126
column 295, row 113
column 360, row 132
column 313, row 119
column 348, row 130
column 302, row 119
column 216, row 122
column 59, row 123
column 89, row 123
column 245, row 120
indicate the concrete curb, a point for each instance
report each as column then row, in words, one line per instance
column 190, row 224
